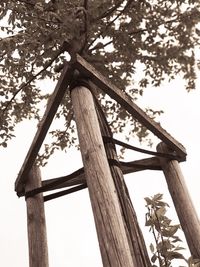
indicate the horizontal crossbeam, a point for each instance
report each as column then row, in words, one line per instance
column 78, row 177
column 152, row 163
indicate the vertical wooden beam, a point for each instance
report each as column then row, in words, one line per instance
column 37, row 237
column 135, row 237
column 182, row 201
column 111, row 232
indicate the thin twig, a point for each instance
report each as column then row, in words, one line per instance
column 163, row 23
column 2, row 56
column 108, row 12
column 26, row 2
column 102, row 46
column 109, row 24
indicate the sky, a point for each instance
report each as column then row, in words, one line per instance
column 71, row 231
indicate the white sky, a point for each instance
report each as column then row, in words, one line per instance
column 70, row 227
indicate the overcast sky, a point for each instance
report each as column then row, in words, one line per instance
column 70, row 227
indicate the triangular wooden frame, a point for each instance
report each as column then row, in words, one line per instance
column 105, row 85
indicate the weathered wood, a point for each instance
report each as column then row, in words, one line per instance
column 126, row 167
column 104, row 84
column 112, row 236
column 182, row 202
column 140, row 165
column 43, row 127
column 37, row 238
column 80, row 179
column 134, row 234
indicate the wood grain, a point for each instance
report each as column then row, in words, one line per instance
column 152, row 163
column 182, row 201
column 37, row 237
column 114, row 245
column 133, row 231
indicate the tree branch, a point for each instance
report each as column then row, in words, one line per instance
column 12, row 36
column 48, row 64
column 85, row 4
column 86, row 23
column 163, row 23
column 101, row 45
column 2, row 56
column 109, row 11
column 109, row 24
column 26, row 2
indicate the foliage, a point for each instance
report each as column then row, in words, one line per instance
column 167, row 243
column 118, row 37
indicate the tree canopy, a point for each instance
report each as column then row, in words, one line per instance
column 119, row 38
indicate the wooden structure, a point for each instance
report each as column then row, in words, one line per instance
column 120, row 239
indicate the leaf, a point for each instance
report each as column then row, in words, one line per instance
column 176, row 239
column 154, row 258
column 149, row 201
column 175, row 255
column 170, row 231
column 152, row 248
column 179, row 248
column 149, row 222
column 4, row 144
column 157, row 197
column 161, row 212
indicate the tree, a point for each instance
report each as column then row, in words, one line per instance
column 117, row 37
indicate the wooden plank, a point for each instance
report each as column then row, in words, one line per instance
column 80, row 179
column 43, row 127
column 152, row 163
column 182, row 202
column 37, row 236
column 141, row 165
column 104, row 84
column 113, row 241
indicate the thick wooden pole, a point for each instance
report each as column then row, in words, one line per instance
column 37, row 238
column 135, row 237
column 182, row 201
column 111, row 232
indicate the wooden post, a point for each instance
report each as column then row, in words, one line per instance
column 111, row 232
column 182, row 201
column 135, row 237
column 37, row 238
